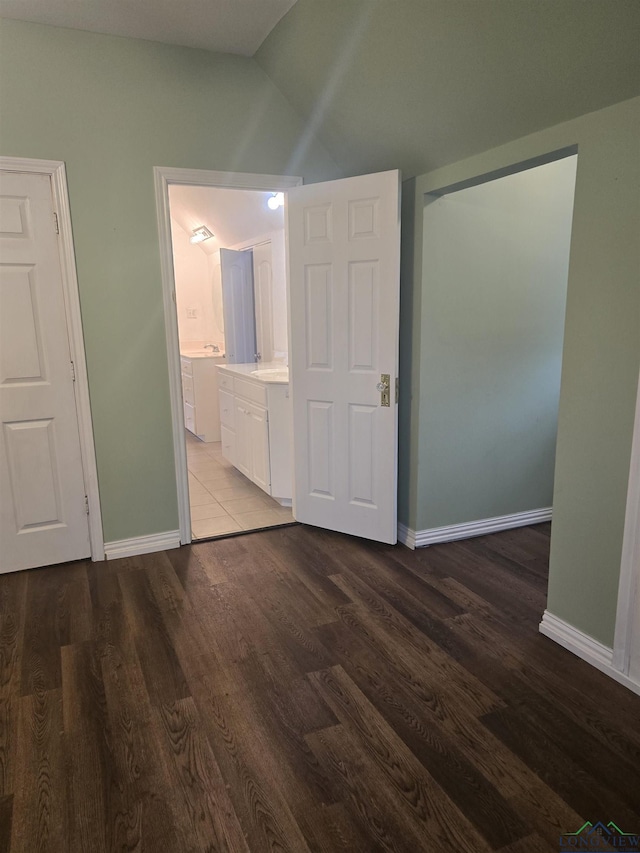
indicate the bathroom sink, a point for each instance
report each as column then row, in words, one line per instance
column 273, row 372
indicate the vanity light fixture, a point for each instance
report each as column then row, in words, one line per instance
column 200, row 234
column 276, row 201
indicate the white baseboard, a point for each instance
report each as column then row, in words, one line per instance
column 138, row 545
column 469, row 529
column 406, row 536
column 585, row 647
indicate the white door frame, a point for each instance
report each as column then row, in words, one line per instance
column 629, row 587
column 58, row 175
column 163, row 178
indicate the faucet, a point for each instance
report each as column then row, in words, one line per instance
column 213, row 347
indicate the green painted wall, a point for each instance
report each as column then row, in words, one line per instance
column 496, row 260
column 416, row 84
column 112, row 109
column 601, row 354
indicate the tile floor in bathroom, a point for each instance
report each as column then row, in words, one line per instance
column 222, row 500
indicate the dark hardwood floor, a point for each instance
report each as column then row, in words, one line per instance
column 298, row 690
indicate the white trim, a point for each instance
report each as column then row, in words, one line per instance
column 629, row 586
column 138, row 545
column 406, row 536
column 163, row 177
column 469, row 529
column 585, row 647
column 57, row 172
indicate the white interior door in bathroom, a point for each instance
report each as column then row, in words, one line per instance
column 344, row 285
column 43, row 505
column 263, row 292
column 238, row 306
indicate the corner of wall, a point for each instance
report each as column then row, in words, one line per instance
column 410, row 273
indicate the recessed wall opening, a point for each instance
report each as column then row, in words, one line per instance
column 496, row 259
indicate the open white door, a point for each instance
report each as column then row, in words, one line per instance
column 344, row 285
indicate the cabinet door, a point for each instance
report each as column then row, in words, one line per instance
column 228, row 444
column 259, row 444
column 243, row 438
column 227, row 409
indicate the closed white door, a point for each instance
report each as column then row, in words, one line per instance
column 43, row 515
column 238, row 305
column 344, row 281
column 263, row 289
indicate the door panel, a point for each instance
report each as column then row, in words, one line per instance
column 263, row 291
column 344, row 254
column 259, row 438
column 238, row 306
column 43, row 517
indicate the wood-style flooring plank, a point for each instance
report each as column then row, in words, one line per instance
column 249, row 769
column 160, row 665
column 299, row 690
column 58, row 608
column 419, row 727
column 552, row 763
column 95, row 789
column 196, row 780
column 42, row 816
column 530, row 844
column 6, row 810
column 420, row 796
column 12, row 617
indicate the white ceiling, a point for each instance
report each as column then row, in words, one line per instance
column 234, row 216
column 228, row 26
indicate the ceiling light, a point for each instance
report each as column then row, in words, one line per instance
column 200, row 235
column 276, row 201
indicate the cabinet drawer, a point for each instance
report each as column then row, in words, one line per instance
column 225, row 381
column 228, row 442
column 190, row 418
column 186, row 365
column 187, row 389
column 226, row 409
column 253, row 391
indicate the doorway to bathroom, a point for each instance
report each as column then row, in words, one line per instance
column 228, row 256
column 343, row 264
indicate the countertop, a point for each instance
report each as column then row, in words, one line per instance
column 271, row 373
column 202, row 353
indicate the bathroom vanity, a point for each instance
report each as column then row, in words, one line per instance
column 200, row 392
column 255, row 425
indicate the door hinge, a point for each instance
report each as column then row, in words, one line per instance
column 73, row 372
column 397, row 388
column 55, row 222
column 86, row 504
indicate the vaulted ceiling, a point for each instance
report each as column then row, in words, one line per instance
column 409, row 84
column 227, row 26
column 417, row 84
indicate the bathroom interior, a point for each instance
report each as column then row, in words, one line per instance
column 230, row 280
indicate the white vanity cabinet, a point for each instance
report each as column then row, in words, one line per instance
column 255, row 421
column 200, row 396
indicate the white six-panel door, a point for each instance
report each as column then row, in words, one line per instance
column 263, row 290
column 43, row 517
column 344, row 279
column 238, row 306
